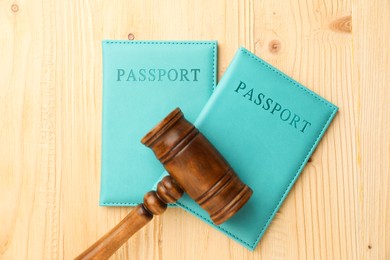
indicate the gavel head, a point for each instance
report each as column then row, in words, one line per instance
column 197, row 167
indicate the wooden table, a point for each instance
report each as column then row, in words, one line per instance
column 50, row 126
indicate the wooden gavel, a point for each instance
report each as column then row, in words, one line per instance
column 195, row 166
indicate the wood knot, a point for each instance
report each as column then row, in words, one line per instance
column 14, row 8
column 343, row 24
column 130, row 36
column 274, row 46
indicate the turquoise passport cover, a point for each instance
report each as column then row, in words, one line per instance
column 266, row 125
column 142, row 82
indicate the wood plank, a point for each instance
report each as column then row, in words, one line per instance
column 50, row 127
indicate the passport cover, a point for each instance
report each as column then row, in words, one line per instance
column 266, row 125
column 142, row 82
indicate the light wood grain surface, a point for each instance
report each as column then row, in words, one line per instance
column 50, row 118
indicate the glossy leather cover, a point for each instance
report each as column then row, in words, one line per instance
column 267, row 126
column 142, row 82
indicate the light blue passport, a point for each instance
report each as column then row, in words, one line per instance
column 266, row 125
column 142, row 82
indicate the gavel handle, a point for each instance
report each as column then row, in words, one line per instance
column 116, row 237
column 155, row 203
